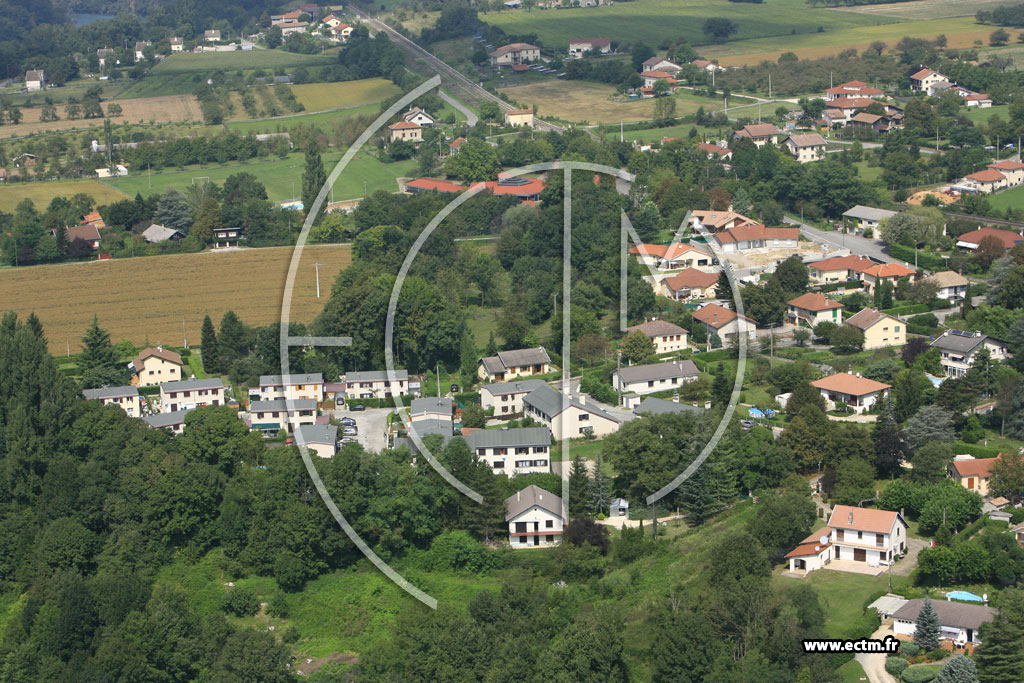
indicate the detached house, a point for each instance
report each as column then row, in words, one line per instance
column 985, row 182
column 725, row 322
column 86, row 232
column 690, row 284
column 880, row 330
column 926, row 80
column 665, row 336
column 191, row 393
column 979, row 100
column 515, row 53
column 519, row 117
column 809, row 309
column 105, row 53
column 580, row 46
column 322, row 440
column 972, row 473
column 660, row 64
column 715, row 151
column 951, row 285
column 419, row 117
column 760, row 133
column 839, row 268
column 405, row 130
column 156, row 366
column 177, row 44
column 972, row 240
column 1012, row 171
column 224, row 238
column 535, row 518
column 958, row 350
column 867, row 535
column 35, row 79
column 859, row 393
column 867, row 217
column 648, row 379
column 652, row 77
column 568, row 417
column 375, row 384
column 884, row 272
column 211, row 35
column 673, row 256
column 508, row 365
column 805, row 148
column 524, row 450
column 140, row 46
column 126, row 398
column 757, row 236
column 852, row 89
column 959, row 622
column 431, row 408
column 707, row 65
column 507, row 397
column 173, row 421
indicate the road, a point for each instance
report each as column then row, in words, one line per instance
column 372, row 425
column 874, row 663
column 471, row 118
column 856, row 244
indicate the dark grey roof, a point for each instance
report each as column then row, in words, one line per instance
column 282, row 404
column 509, row 438
column 659, row 406
column 551, row 403
column 532, row 495
column 316, row 434
column 431, row 404
column 522, row 386
column 191, row 384
column 314, row 378
column 175, row 417
column 516, row 358
column 958, row 614
column 868, row 213
column 959, row 341
column 111, row 392
column 643, row 373
column 375, row 375
column 432, row 426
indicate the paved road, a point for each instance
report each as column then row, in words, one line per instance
column 874, row 664
column 856, row 244
column 371, row 423
column 471, row 118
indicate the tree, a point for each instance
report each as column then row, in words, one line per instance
column 600, row 493
column 927, row 629
column 231, row 342
column 685, row 648
column 911, row 390
column 664, row 108
column 989, row 249
column 855, row 481
column 207, row 220
column 474, row 417
column 929, row 423
column 723, row 288
column 313, row 179
column 792, row 275
column 579, row 487
column 846, row 338
column 114, row 109
column 998, row 37
column 930, row 462
column 99, row 364
column 802, row 395
column 173, row 211
column 801, row 335
column 1000, row 657
column 885, row 435
column 960, row 669
column 476, row 161
column 1008, row 476
column 208, row 345
column 783, row 518
column 639, row 54
column 719, row 28
column 637, row 348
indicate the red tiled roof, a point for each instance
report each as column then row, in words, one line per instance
column 712, row 148
column 432, row 184
column 1007, row 165
column 403, row 125
column 976, row 467
column 810, row 545
column 758, row 130
column 851, row 102
column 716, row 316
column 650, row 249
column 86, row 231
column 987, row 176
column 656, row 74
column 923, row 73
column 814, row 302
column 534, row 186
column 1007, row 237
column 864, row 519
column 851, row 262
column 976, row 97
column 845, row 383
column 691, row 277
column 889, row 270
column 756, row 231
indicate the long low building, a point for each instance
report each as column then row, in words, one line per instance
column 958, row 621
column 523, row 450
column 648, row 379
column 376, row 384
column 507, row 365
column 173, row 421
column 273, row 416
column 126, row 398
column 191, row 393
column 859, row 393
column 292, row 386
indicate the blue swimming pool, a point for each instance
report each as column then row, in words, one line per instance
column 964, row 595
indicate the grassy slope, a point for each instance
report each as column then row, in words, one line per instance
column 42, row 192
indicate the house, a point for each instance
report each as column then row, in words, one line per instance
column 867, row 535
column 177, row 44
column 706, row 65
column 405, row 130
column 140, row 46
column 284, row 19
column 839, row 268
column 322, row 440
column 174, row 421
column 342, row 32
column 535, row 518
column 985, row 182
column 690, row 284
column 805, row 148
column 859, row 393
column 292, row 387
column 421, row 429
column 957, row 350
column 294, row 27
column 419, row 117
column 523, row 450
column 127, row 398
column 659, row 406
column 506, row 398
column 1012, row 170
column 568, row 417
column 925, row 81
column 673, row 256
column 156, row 366
column 958, row 621
column 455, row 145
column 972, row 473
column 880, row 330
column 952, row 286
column 807, row 310
column 660, row 64
column 648, row 379
column 515, row 53
column 814, row 552
column 375, row 384
column 971, row 240
column 979, row 100
column 332, row 20
column 716, row 221
column 725, row 322
column 105, row 53
column 191, row 393
column 759, row 133
column 94, row 219
column 757, row 236
column 715, row 151
column 35, row 79
column 273, row 416
column 87, row 233
column 652, row 77
column 665, row 336
column 519, row 117
column 508, row 365
column 884, row 272
column 224, row 238
column 841, row 110
column 432, row 408
column 211, row 35
column 876, row 122
column 159, row 233
column 580, row 46
column 851, row 89
column 867, row 217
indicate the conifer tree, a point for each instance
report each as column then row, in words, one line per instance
column 579, row 487
column 98, row 364
column 886, row 436
column 960, row 669
column 927, row 628
column 600, row 489
column 209, row 347
column 313, row 178
column 230, row 341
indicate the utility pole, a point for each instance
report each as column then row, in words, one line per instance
column 437, row 374
column 184, row 337
column 317, row 266
column 69, row 348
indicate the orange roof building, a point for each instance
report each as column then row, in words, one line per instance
column 859, row 393
column 810, row 309
column 971, row 240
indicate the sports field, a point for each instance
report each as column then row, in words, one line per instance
column 320, row 96
column 41, row 193
column 145, row 299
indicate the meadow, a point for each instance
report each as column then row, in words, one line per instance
column 1008, row 199
column 41, row 193
column 321, row 96
column 925, row 9
column 146, row 299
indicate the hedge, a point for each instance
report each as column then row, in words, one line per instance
column 909, row 309
column 919, row 674
column 895, row 665
column 846, row 284
column 925, row 259
column 150, row 391
column 977, row 451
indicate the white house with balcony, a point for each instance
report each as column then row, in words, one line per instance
column 568, row 417
column 648, row 379
column 191, row 393
column 375, row 384
column 506, row 398
column 523, row 450
column 867, row 535
column 536, row 518
column 126, row 398
column 292, row 387
column 859, row 393
column 959, row 349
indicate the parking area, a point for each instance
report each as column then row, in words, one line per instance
column 372, row 424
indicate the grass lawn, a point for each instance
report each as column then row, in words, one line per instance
column 41, row 193
column 1014, row 197
column 320, row 96
column 283, row 123
column 843, row 596
column 851, row 672
column 868, row 173
column 588, row 450
column 195, row 366
column 981, row 116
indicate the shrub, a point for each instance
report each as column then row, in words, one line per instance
column 458, row 550
column 919, row 674
column 895, row 665
column 910, row 648
column 291, row 634
column 278, row 606
column 241, row 602
column 290, row 571
column 938, row 654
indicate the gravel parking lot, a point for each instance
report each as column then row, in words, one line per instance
column 372, row 424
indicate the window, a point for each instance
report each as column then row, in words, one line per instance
column 540, row 449
column 897, row 328
column 650, row 383
column 523, row 451
column 499, row 464
column 584, row 417
column 549, row 538
column 549, row 524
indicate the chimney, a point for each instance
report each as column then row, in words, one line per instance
column 583, row 399
column 851, row 516
column 518, row 495
column 159, row 348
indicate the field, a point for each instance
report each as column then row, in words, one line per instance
column 146, row 299
column 981, row 116
column 278, row 124
column 925, row 9
column 278, row 175
column 320, row 96
column 162, row 109
column 42, row 192
column 1012, row 198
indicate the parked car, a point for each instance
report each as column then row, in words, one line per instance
column 746, row 424
column 350, row 431
column 359, row 406
column 454, row 388
column 348, row 422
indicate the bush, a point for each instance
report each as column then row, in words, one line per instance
column 895, row 665
column 925, row 259
column 919, row 674
column 291, row 634
column 241, row 602
column 278, row 606
column 910, row 648
column 938, row 654
column 457, row 550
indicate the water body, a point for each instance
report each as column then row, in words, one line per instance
column 80, row 19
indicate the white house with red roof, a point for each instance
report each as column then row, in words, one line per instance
column 985, row 182
column 979, row 100
column 405, row 130
column 660, row 64
column 805, row 148
column 814, row 552
column 757, row 236
column 971, row 240
column 810, row 308
column 925, row 80
column 666, row 337
column 715, row 151
column 725, row 322
column 714, row 221
column 881, row 272
column 707, row 65
column 859, row 393
column 580, row 46
column 652, row 77
column 1012, row 171
column 852, row 89
column 690, row 284
column 673, row 256
column 760, row 133
column 867, row 535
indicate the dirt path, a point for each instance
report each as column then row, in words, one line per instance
column 874, row 663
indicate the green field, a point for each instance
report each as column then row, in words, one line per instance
column 42, row 192
column 320, row 96
column 1012, row 198
column 981, row 116
column 278, row 176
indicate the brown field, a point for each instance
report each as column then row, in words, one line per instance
column 163, row 109
column 925, row 9
column 145, row 299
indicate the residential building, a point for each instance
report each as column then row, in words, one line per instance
column 985, row 182
column 805, row 148
column 814, row 552
column 211, row 35
column 342, row 32
column 725, row 322
column 650, row 78
column 294, row 27
column 715, row 151
column 807, row 310
column 177, row 44
column 292, row 387
column 87, row 233
column 105, row 53
column 322, row 440
column 659, row 406
column 455, row 145
column 867, row 535
column 867, row 217
column 35, row 79
column 332, row 20
column 140, row 46
column 925, row 81
column 959, row 622
column 519, row 117
column 675, row 255
column 535, row 518
column 158, row 233
column 649, row 379
column 979, row 100
column 156, row 366
column 94, row 219
column 419, row 117
column 508, row 365
column 971, row 240
column 707, row 65
column 375, row 384
column 757, row 236
column 665, row 336
column 127, row 398
column 884, row 272
column 191, row 393
column 273, row 416
column 760, row 133
column 859, row 393
column 716, row 221
column 972, row 473
column 224, row 238
column 660, row 64
column 515, row 53
column 839, row 268
column 523, row 450
column 851, row 89
column 951, row 285
column 690, row 284
column 507, row 397
column 405, row 130
column 432, row 408
column 1012, row 171
column 174, row 421
column 580, row 46
column 568, row 417
column 880, row 330
column 877, row 122
column 958, row 350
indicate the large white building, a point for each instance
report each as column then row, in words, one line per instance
column 191, row 393
column 522, row 450
column 648, row 379
column 126, row 398
column 535, row 518
column 854, row 534
column 376, row 384
column 292, row 387
column 507, row 397
column 567, row 417
column 273, row 416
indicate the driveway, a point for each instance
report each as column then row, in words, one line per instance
column 905, row 566
column 471, row 118
column 874, row 663
column 856, row 244
column 371, row 423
